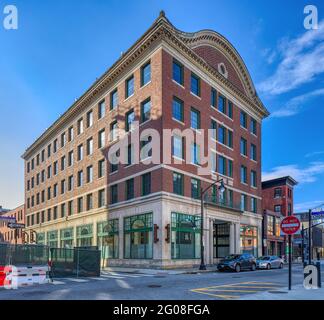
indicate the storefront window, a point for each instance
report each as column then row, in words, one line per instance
column 41, row 238
column 277, row 227
column 66, row 237
column 249, row 240
column 185, row 237
column 108, row 238
column 84, row 236
column 138, row 237
column 270, row 225
column 221, row 240
column 52, row 239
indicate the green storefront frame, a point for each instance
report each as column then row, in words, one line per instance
column 185, row 236
column 84, row 235
column 66, row 238
column 108, row 234
column 138, row 236
column 41, row 238
column 52, row 239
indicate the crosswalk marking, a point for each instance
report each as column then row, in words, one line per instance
column 98, row 278
column 112, row 277
column 77, row 280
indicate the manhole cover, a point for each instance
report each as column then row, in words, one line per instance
column 278, row 292
column 154, row 286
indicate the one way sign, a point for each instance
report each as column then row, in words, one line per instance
column 16, row 226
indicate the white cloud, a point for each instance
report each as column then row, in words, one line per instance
column 296, row 104
column 305, row 206
column 301, row 175
column 302, row 59
column 313, row 154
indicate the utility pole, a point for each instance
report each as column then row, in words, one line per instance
column 310, row 237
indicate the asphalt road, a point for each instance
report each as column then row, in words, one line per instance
column 130, row 286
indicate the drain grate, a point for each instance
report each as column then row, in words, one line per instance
column 154, row 286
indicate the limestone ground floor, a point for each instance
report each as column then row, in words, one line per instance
column 158, row 231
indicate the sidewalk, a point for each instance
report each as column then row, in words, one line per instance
column 297, row 293
column 158, row 271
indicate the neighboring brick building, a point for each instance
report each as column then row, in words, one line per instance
column 13, row 236
column 277, row 202
column 167, row 80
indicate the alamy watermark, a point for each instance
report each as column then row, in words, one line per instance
column 311, row 20
column 10, row 20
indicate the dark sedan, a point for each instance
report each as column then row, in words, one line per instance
column 237, row 262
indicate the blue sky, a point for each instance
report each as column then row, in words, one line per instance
column 61, row 47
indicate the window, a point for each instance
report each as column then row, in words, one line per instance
column 195, row 119
column 70, row 208
column 185, row 236
column 253, row 152
column 80, row 205
column 130, row 118
column 49, row 215
column 55, row 168
column 213, row 97
column 195, row 153
column 277, row 193
column 101, row 168
column 195, row 84
column 62, row 210
column 71, row 134
column 230, row 109
column 55, row 146
column 130, row 155
column 113, row 99
column 253, row 178
column 84, row 235
column 254, row 208
column 108, row 234
column 80, row 178
column 146, row 184
column 243, row 147
column 146, row 147
column 114, row 163
column 89, row 174
column 49, row 172
column 289, row 208
column 89, row 119
column 101, row 109
column 101, row 198
column 49, row 193
column 63, row 163
column 195, row 188
column 221, row 134
column 243, row 202
column 177, row 109
column 113, row 131
column 70, row 183
column 48, row 151
column 178, row 181
column 243, row 174
column 55, row 213
column 177, row 147
column 138, row 237
column 230, row 139
column 89, row 146
column 146, row 110
column 80, row 126
column 70, row 158
column 249, row 240
column 89, row 201
column 213, row 162
column 243, row 119
column 42, row 156
column 80, row 152
column 62, row 186
column 55, row 190
column 222, row 165
column 129, row 87
column 101, row 138
column 270, row 225
column 63, row 139
column 277, row 208
column 178, row 72
column 129, row 189
column 222, row 104
column 253, row 126
column 146, row 74
column 114, row 194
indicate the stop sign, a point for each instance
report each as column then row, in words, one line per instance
column 290, row 225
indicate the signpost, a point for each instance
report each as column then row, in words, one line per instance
column 289, row 226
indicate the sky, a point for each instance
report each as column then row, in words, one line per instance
column 61, row 47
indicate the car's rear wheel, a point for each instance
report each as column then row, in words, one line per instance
column 268, row 266
column 237, row 268
column 253, row 267
column 281, row 265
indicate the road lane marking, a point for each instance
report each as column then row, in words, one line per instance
column 111, row 277
column 226, row 297
column 98, row 278
column 77, row 280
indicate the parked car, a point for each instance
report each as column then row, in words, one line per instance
column 237, row 262
column 269, row 262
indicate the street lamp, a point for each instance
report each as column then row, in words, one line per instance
column 202, row 193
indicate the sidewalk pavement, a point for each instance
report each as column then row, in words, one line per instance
column 159, row 271
column 297, row 293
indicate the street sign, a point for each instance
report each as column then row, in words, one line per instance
column 317, row 213
column 16, row 226
column 7, row 219
column 290, row 225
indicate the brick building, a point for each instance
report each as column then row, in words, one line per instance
column 277, row 202
column 13, row 236
column 146, row 212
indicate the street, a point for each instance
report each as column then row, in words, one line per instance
column 131, row 286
